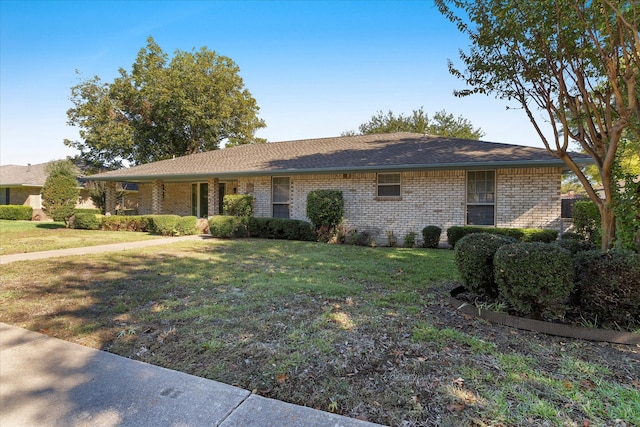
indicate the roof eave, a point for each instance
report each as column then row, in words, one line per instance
column 352, row 169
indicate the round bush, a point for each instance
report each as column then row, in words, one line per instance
column 608, row 286
column 534, row 276
column 431, row 236
column 87, row 221
column 474, row 259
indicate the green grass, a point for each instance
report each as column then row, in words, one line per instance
column 32, row 236
column 353, row 330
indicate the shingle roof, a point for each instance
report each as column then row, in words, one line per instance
column 396, row 151
column 30, row 175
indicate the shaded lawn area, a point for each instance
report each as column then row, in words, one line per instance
column 363, row 332
column 18, row 237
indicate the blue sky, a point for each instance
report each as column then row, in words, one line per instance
column 315, row 68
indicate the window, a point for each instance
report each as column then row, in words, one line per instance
column 388, row 185
column 5, row 198
column 200, row 200
column 481, row 197
column 280, row 188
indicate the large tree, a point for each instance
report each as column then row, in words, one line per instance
column 572, row 65
column 442, row 124
column 163, row 108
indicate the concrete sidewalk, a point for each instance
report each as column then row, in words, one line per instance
column 86, row 250
column 45, row 381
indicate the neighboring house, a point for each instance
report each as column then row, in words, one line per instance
column 22, row 185
column 397, row 182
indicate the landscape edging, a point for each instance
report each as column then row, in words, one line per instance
column 557, row 329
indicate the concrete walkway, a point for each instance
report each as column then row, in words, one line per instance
column 46, row 382
column 28, row 256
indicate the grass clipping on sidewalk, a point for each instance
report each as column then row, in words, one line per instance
column 357, row 331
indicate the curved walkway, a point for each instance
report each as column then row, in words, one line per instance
column 45, row 381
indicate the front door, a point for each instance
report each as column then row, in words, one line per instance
column 200, row 199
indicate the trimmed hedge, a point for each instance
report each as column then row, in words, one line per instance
column 431, row 236
column 171, row 225
column 227, row 226
column 16, row 212
column 608, row 285
column 456, row 233
column 533, row 276
column 280, row 228
column 126, row 223
column 474, row 258
column 87, row 211
column 87, row 221
column 238, row 205
column 574, row 245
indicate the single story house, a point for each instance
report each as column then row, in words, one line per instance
column 22, row 185
column 399, row 182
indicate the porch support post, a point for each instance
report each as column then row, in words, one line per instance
column 156, row 197
column 110, row 198
column 213, row 200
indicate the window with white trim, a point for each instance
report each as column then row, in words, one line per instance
column 280, row 193
column 388, row 185
column 481, row 197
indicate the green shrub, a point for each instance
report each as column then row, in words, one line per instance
column 574, row 245
column 456, row 233
column 608, row 286
column 538, row 235
column 126, row 223
column 187, row 226
column 87, row 221
column 325, row 209
column 571, row 235
column 534, row 276
column 165, row 225
column 474, row 259
column 392, row 240
column 238, row 205
column 586, row 220
column 16, row 212
column 280, row 228
column 60, row 190
column 410, row 239
column 87, row 211
column 431, row 236
column 226, row 226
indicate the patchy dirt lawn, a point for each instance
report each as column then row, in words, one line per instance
column 363, row 332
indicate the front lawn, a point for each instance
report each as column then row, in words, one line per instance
column 359, row 331
column 32, row 236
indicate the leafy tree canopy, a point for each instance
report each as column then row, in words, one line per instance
column 573, row 65
column 441, row 124
column 162, row 108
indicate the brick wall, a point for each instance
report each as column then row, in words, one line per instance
column 27, row 196
column 427, row 198
column 144, row 198
column 525, row 197
column 528, row 198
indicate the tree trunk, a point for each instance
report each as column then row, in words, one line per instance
column 608, row 226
